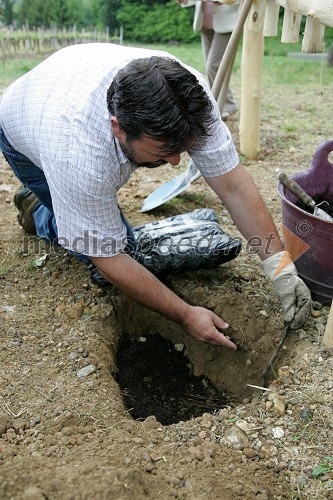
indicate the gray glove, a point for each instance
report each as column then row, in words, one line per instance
column 294, row 295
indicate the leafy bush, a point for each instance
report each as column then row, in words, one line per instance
column 159, row 23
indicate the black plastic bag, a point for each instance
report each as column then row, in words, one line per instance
column 184, row 242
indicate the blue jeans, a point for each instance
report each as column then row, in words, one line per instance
column 34, row 178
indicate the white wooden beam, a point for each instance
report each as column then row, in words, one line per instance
column 271, row 18
column 321, row 10
column 291, row 26
column 313, row 40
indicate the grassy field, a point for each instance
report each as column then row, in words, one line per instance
column 278, row 67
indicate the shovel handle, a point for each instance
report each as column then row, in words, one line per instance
column 296, row 189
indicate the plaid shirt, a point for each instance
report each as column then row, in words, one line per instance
column 56, row 115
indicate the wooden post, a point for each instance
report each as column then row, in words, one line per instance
column 271, row 18
column 252, row 58
column 328, row 335
column 313, row 40
column 229, row 53
column 290, row 27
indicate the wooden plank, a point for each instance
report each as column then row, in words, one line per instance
column 328, row 335
column 252, row 59
column 291, row 26
column 271, row 18
column 321, row 10
column 313, row 40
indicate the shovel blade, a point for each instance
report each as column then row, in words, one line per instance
column 171, row 188
column 319, row 212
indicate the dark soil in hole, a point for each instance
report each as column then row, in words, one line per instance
column 155, row 379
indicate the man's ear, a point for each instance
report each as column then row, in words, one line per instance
column 116, row 129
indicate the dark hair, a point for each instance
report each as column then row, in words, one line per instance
column 158, row 97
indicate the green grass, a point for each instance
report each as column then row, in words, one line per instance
column 278, row 69
column 11, row 69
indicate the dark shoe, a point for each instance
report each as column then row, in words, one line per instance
column 97, row 278
column 25, row 201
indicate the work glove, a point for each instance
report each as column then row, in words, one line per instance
column 293, row 293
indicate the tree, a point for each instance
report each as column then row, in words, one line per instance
column 37, row 13
column 156, row 23
column 108, row 13
column 7, row 11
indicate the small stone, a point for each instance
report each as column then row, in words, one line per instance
column 150, row 422
column 76, row 311
column 179, row 347
column 249, row 452
column 264, row 313
column 5, row 424
column 307, row 414
column 315, row 314
column 247, row 427
column 87, row 370
column 207, row 424
column 278, row 432
column 142, row 339
column 72, row 355
column 85, row 315
column 235, row 438
column 35, row 421
column 60, row 308
column 320, row 328
column 137, row 440
column 32, row 493
column 322, row 320
column 279, row 406
column 174, row 481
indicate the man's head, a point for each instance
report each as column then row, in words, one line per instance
column 158, row 109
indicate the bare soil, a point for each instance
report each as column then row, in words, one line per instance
column 68, row 435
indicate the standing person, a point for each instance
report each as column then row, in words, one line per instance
column 215, row 21
column 76, row 127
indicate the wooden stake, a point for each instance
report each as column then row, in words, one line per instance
column 252, row 58
column 313, row 40
column 290, row 27
column 271, row 18
column 328, row 335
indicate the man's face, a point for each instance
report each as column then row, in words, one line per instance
column 147, row 152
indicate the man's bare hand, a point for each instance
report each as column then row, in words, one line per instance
column 204, row 325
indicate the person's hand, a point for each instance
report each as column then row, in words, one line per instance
column 293, row 293
column 204, row 325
